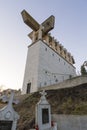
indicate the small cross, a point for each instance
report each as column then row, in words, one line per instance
column 43, row 93
column 10, row 100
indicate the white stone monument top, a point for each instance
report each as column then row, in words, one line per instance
column 5, row 99
column 8, row 116
column 43, row 93
column 43, row 98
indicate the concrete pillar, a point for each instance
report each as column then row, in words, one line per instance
column 56, row 44
column 65, row 52
column 46, row 38
column 50, row 40
column 61, row 50
column 58, row 48
column 40, row 32
column 69, row 57
column 53, row 43
column 33, row 37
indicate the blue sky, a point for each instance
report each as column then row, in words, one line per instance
column 70, row 29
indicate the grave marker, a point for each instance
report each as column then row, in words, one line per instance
column 43, row 113
column 8, row 117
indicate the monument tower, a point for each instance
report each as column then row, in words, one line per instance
column 48, row 62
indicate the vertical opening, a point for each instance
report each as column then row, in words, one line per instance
column 45, row 116
column 28, row 87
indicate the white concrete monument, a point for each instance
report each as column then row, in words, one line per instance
column 48, row 62
column 8, row 117
column 43, row 113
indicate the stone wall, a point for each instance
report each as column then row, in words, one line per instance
column 73, row 82
column 70, row 122
column 52, row 67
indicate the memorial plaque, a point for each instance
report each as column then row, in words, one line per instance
column 45, row 116
column 6, row 125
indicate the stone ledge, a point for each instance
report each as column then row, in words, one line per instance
column 76, row 81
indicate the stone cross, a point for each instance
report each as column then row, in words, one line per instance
column 43, row 93
column 8, row 116
column 43, row 98
column 10, row 100
column 39, row 30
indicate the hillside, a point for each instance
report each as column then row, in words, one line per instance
column 62, row 101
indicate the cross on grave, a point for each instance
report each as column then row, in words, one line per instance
column 43, row 98
column 43, row 113
column 39, row 30
column 43, row 120
column 43, row 93
column 10, row 100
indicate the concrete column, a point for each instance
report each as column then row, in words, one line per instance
column 46, row 38
column 33, row 37
column 40, row 32
column 50, row 40
column 61, row 50
column 65, row 52
column 56, row 44
column 69, row 59
column 58, row 48
column 53, row 43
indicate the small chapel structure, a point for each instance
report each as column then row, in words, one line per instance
column 48, row 62
column 43, row 113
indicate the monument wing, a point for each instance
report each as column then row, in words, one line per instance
column 48, row 24
column 30, row 21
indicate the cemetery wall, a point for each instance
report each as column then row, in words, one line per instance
column 76, row 81
column 70, row 122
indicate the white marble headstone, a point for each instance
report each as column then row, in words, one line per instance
column 43, row 113
column 8, row 117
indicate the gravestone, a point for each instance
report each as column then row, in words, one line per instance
column 43, row 113
column 8, row 117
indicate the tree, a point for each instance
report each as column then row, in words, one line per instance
column 83, row 70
